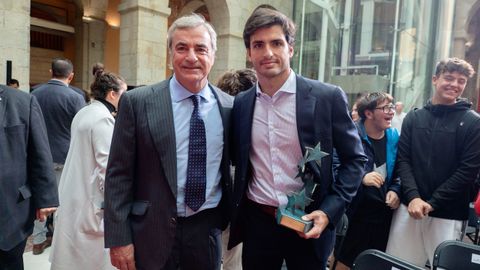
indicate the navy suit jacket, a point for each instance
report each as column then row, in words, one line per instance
column 141, row 180
column 322, row 116
column 59, row 105
column 27, row 180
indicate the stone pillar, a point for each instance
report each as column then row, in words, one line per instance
column 90, row 42
column 90, row 52
column 143, row 40
column 228, row 23
column 15, row 44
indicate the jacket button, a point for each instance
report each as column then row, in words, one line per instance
column 173, row 221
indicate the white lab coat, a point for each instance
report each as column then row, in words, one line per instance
column 78, row 241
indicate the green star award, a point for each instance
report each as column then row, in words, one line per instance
column 291, row 214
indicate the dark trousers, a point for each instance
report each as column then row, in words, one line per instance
column 197, row 242
column 266, row 244
column 13, row 259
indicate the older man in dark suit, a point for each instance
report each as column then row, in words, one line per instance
column 28, row 189
column 272, row 124
column 168, row 180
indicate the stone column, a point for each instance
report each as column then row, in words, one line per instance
column 143, row 40
column 90, row 41
column 90, row 50
column 228, row 23
column 15, row 43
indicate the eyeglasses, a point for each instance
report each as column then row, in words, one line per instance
column 387, row 108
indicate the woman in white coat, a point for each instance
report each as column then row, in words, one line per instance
column 78, row 241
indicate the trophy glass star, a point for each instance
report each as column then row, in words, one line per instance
column 291, row 214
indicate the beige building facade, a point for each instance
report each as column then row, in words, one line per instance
column 129, row 37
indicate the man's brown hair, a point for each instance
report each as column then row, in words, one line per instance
column 454, row 65
column 267, row 17
column 234, row 82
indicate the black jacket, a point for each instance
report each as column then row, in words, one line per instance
column 439, row 157
column 27, row 180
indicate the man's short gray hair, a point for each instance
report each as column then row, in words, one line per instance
column 191, row 21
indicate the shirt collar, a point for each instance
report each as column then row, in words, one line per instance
column 60, row 81
column 289, row 86
column 180, row 93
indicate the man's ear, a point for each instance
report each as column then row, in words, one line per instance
column 248, row 55
column 290, row 50
column 368, row 114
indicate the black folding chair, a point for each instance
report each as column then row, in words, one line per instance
column 340, row 232
column 453, row 255
column 472, row 227
column 372, row 259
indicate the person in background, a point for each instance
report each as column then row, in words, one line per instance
column 233, row 82
column 27, row 182
column 272, row 124
column 438, row 162
column 398, row 117
column 13, row 83
column 59, row 105
column 79, row 224
column 97, row 68
column 354, row 112
column 370, row 212
column 168, row 182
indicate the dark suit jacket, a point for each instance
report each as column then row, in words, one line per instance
column 27, row 180
column 141, row 181
column 322, row 116
column 59, row 105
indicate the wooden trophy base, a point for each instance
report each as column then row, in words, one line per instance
column 293, row 221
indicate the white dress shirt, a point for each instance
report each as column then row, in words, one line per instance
column 275, row 151
column 182, row 111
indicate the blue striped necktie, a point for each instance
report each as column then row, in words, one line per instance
column 197, row 160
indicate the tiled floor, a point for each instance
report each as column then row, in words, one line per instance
column 40, row 262
column 36, row 262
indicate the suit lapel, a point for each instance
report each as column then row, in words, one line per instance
column 305, row 103
column 224, row 112
column 160, row 122
column 245, row 125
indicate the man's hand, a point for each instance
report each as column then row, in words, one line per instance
column 123, row 257
column 392, row 199
column 320, row 222
column 373, row 179
column 418, row 208
column 42, row 213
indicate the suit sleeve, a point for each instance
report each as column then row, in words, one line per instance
column 405, row 170
column 41, row 177
column 350, row 163
column 119, row 181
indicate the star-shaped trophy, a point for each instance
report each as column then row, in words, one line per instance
column 291, row 214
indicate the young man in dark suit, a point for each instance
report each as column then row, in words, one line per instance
column 27, row 183
column 273, row 123
column 168, row 178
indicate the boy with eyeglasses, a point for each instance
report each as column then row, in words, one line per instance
column 438, row 161
column 371, row 210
